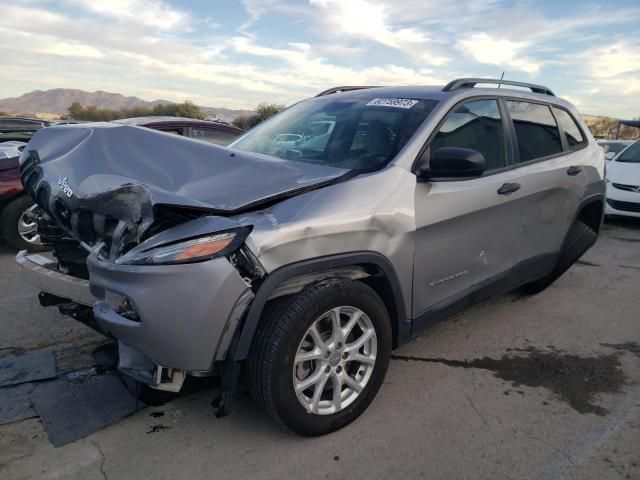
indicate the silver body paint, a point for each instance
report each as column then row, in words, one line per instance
column 442, row 238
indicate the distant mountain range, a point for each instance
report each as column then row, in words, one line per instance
column 57, row 101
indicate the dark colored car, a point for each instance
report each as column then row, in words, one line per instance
column 220, row 133
column 17, row 228
column 19, row 129
column 17, row 223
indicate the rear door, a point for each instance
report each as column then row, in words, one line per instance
column 466, row 230
column 551, row 179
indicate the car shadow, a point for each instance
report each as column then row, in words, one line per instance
column 632, row 223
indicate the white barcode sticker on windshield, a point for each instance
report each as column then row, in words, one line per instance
column 392, row 102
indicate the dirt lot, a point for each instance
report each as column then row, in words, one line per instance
column 517, row 387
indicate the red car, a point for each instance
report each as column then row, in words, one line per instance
column 17, row 225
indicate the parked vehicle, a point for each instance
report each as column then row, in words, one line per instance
column 304, row 268
column 613, row 147
column 19, row 128
column 18, row 224
column 219, row 133
column 623, row 183
column 10, row 125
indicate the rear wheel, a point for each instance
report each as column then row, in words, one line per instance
column 320, row 356
column 18, row 226
column 580, row 238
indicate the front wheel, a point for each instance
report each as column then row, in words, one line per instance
column 18, row 225
column 320, row 356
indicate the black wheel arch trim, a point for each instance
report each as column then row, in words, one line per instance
column 585, row 202
column 401, row 325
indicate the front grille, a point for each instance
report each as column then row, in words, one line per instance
column 61, row 212
column 624, row 206
column 628, row 188
column 86, row 226
column 42, row 196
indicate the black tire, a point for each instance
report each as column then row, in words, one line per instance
column 282, row 328
column 579, row 239
column 9, row 225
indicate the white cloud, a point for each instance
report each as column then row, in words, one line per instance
column 256, row 9
column 505, row 53
column 137, row 47
column 370, row 21
column 68, row 49
column 316, row 73
column 150, row 13
column 613, row 60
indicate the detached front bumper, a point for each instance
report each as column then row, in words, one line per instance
column 179, row 317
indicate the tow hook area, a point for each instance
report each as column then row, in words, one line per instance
column 168, row 379
column 138, row 366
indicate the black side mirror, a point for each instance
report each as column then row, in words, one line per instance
column 451, row 162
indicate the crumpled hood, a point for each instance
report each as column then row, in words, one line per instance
column 106, row 183
column 98, row 157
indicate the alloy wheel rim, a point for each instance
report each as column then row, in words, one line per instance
column 28, row 228
column 335, row 360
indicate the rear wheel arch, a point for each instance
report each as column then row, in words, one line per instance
column 380, row 276
column 591, row 213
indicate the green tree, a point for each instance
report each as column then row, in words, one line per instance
column 91, row 113
column 243, row 121
column 263, row 111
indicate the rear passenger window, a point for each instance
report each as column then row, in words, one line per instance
column 569, row 127
column 536, row 129
column 476, row 125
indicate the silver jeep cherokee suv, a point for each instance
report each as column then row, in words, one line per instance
column 321, row 239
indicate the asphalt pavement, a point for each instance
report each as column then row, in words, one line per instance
column 517, row 387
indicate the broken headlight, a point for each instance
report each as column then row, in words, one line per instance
column 193, row 250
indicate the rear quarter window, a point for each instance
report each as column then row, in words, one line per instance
column 570, row 128
column 536, row 130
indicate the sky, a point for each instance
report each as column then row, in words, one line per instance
column 237, row 54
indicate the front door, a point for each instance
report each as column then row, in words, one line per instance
column 466, row 230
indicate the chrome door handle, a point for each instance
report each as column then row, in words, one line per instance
column 574, row 170
column 508, row 188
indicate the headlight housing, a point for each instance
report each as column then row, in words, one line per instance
column 198, row 249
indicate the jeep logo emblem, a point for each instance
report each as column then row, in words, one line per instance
column 63, row 182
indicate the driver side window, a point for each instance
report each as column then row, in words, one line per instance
column 476, row 125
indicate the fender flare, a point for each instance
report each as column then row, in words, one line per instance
column 402, row 322
column 585, row 202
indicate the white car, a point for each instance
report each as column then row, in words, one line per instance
column 613, row 147
column 623, row 183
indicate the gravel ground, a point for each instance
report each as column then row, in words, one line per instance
column 544, row 386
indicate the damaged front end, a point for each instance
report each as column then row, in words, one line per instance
column 169, row 269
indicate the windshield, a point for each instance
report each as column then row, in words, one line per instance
column 359, row 133
column 631, row 154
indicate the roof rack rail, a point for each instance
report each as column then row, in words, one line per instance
column 472, row 82
column 344, row 89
